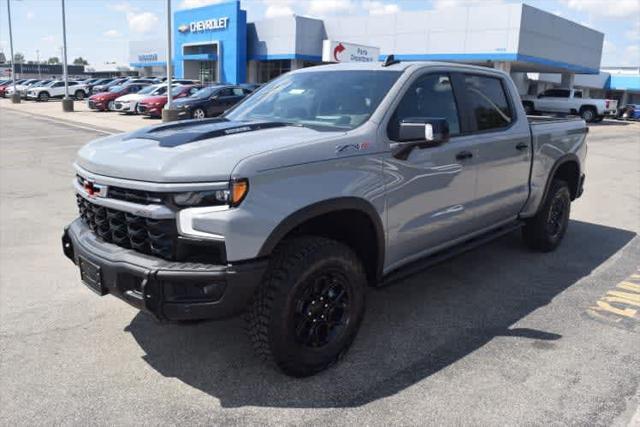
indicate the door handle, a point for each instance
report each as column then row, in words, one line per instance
column 522, row 146
column 463, row 155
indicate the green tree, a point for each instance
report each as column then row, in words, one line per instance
column 18, row 58
column 53, row 60
column 80, row 61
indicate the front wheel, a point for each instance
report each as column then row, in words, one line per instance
column 43, row 97
column 309, row 307
column 545, row 231
column 198, row 113
column 111, row 106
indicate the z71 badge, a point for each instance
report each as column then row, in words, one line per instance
column 348, row 148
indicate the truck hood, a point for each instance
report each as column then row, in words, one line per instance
column 189, row 151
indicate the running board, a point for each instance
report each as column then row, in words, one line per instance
column 426, row 262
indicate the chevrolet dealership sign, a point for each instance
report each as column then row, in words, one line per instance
column 205, row 25
column 335, row 51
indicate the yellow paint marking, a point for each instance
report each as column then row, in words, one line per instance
column 633, row 299
column 619, row 304
column 629, row 286
column 605, row 306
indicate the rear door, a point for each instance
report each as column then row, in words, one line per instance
column 554, row 100
column 502, row 143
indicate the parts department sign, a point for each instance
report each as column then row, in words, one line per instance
column 213, row 24
column 336, row 51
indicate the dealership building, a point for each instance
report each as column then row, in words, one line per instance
column 216, row 43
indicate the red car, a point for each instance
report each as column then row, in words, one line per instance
column 152, row 106
column 103, row 101
column 5, row 85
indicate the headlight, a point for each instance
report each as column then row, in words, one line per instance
column 232, row 196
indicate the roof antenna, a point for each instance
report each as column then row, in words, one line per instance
column 390, row 60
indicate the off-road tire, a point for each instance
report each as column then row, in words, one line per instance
column 272, row 317
column 543, row 234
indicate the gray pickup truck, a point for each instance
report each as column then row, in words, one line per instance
column 324, row 181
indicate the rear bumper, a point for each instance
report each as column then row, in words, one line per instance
column 165, row 289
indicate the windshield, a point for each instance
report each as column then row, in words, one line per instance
column 147, row 89
column 177, row 90
column 51, row 83
column 205, row 92
column 334, row 99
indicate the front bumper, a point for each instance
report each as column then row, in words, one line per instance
column 159, row 286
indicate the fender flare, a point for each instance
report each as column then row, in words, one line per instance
column 566, row 158
column 324, row 207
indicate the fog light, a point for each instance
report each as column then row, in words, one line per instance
column 193, row 291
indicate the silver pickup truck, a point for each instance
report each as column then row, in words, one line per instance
column 324, row 181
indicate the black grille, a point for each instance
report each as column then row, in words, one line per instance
column 134, row 196
column 91, row 104
column 156, row 237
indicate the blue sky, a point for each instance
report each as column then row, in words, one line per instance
column 99, row 30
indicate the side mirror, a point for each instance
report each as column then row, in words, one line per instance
column 421, row 132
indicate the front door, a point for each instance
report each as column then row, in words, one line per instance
column 428, row 194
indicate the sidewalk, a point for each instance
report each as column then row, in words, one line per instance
column 108, row 121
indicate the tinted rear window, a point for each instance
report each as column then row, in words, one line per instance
column 488, row 102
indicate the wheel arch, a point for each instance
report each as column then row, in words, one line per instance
column 351, row 220
column 566, row 168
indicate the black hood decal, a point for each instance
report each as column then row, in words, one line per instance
column 187, row 131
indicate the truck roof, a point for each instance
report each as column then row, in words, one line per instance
column 399, row 66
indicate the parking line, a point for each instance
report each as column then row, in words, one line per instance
column 620, row 305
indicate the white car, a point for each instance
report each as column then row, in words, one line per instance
column 55, row 89
column 128, row 103
column 570, row 101
column 21, row 88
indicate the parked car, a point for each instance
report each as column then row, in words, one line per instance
column 152, row 105
column 128, row 104
column 293, row 202
column 55, row 89
column 251, row 86
column 104, row 87
column 105, row 101
column 570, row 101
column 24, row 86
column 629, row 112
column 9, row 84
column 210, row 101
column 97, row 82
column 181, row 81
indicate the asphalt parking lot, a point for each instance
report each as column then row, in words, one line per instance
column 498, row 336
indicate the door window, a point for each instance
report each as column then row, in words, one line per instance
column 238, row 91
column 487, row 101
column 225, row 92
column 429, row 96
column 556, row 93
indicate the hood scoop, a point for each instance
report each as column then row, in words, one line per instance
column 185, row 132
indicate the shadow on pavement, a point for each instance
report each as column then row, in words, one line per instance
column 611, row 123
column 411, row 330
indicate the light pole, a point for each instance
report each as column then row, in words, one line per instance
column 168, row 113
column 67, row 103
column 38, row 61
column 15, row 96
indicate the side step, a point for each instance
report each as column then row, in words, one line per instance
column 424, row 263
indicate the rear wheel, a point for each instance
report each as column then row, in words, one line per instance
column 198, row 113
column 545, row 231
column 309, row 307
column 588, row 114
column 79, row 95
column 43, row 96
